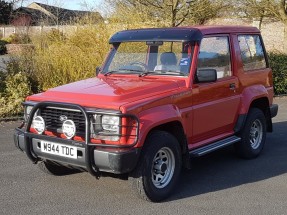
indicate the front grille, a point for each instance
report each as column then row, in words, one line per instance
column 53, row 123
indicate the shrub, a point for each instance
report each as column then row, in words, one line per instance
column 2, row 81
column 19, row 39
column 7, row 39
column 278, row 63
column 17, row 88
column 3, row 47
column 55, row 35
column 15, row 85
column 59, row 59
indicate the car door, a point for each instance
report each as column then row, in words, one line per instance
column 215, row 104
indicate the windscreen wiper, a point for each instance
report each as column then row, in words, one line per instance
column 149, row 72
column 162, row 72
column 119, row 71
column 173, row 72
column 131, row 70
column 110, row 72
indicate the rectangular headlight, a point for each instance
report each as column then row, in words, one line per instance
column 27, row 111
column 105, row 127
column 111, row 123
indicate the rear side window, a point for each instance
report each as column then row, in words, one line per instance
column 252, row 53
column 215, row 54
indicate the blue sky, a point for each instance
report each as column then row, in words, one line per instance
column 69, row 4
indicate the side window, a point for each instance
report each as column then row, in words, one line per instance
column 252, row 53
column 215, row 54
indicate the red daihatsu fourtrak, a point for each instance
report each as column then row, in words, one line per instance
column 161, row 97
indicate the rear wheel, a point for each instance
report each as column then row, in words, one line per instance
column 253, row 135
column 159, row 167
column 51, row 168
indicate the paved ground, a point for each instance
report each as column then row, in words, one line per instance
column 219, row 183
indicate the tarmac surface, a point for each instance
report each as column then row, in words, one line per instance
column 219, row 183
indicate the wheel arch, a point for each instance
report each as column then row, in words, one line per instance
column 256, row 96
column 175, row 128
column 164, row 118
column 261, row 103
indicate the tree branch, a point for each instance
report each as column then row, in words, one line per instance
column 146, row 3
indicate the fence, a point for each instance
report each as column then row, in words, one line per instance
column 6, row 31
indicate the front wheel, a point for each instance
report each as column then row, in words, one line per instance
column 253, row 135
column 159, row 167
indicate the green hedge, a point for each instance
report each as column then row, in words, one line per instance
column 278, row 63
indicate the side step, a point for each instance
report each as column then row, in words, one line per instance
column 214, row 146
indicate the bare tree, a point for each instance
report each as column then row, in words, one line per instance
column 169, row 12
column 272, row 9
column 283, row 11
column 275, row 10
column 254, row 9
column 16, row 3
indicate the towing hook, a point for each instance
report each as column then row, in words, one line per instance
column 96, row 172
column 98, row 177
column 22, row 125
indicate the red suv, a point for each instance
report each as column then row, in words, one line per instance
column 161, row 97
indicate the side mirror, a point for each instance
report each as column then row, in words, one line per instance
column 98, row 69
column 206, row 75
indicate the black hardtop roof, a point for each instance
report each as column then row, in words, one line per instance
column 193, row 33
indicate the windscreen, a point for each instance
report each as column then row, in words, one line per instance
column 157, row 58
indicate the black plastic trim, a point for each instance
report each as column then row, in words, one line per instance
column 16, row 139
column 240, row 123
column 273, row 110
column 123, row 162
column 157, row 34
column 117, row 161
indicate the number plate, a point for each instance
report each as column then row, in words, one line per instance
column 59, row 149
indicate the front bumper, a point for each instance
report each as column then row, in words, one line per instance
column 92, row 157
column 111, row 160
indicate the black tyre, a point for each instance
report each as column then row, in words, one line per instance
column 54, row 169
column 253, row 135
column 158, row 168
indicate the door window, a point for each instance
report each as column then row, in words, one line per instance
column 215, row 54
column 252, row 53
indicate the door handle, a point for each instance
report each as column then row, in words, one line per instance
column 232, row 87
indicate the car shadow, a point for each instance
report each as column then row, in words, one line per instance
column 223, row 169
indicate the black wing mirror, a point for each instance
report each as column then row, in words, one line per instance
column 206, row 75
